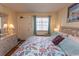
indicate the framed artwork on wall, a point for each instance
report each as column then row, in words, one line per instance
column 73, row 13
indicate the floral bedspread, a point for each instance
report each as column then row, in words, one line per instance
column 38, row 46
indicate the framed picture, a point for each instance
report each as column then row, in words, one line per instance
column 73, row 13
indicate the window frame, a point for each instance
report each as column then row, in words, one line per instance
column 35, row 24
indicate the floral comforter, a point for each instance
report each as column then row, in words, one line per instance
column 38, row 46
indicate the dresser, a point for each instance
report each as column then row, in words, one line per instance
column 7, row 42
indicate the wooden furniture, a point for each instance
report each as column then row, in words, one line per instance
column 7, row 42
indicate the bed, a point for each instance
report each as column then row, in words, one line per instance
column 70, row 44
column 38, row 46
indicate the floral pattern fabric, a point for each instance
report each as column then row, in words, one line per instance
column 38, row 46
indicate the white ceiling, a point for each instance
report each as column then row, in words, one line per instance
column 35, row 7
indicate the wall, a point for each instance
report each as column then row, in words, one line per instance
column 62, row 17
column 23, row 24
column 11, row 15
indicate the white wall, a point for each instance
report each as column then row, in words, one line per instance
column 62, row 16
column 11, row 15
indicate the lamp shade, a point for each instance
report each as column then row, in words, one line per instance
column 56, row 29
column 4, row 26
column 11, row 26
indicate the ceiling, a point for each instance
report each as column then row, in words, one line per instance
column 35, row 7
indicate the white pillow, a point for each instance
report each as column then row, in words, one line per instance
column 76, row 39
column 63, row 34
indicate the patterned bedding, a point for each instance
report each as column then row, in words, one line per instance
column 38, row 46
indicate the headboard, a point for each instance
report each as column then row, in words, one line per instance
column 70, row 30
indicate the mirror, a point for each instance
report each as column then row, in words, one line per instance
column 3, row 24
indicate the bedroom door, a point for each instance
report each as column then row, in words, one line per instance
column 25, row 27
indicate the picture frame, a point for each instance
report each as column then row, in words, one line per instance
column 73, row 13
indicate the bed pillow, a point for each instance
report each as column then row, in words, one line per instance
column 57, row 39
column 64, row 34
column 59, row 33
column 74, row 38
column 53, row 35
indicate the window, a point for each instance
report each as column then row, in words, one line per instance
column 42, row 23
